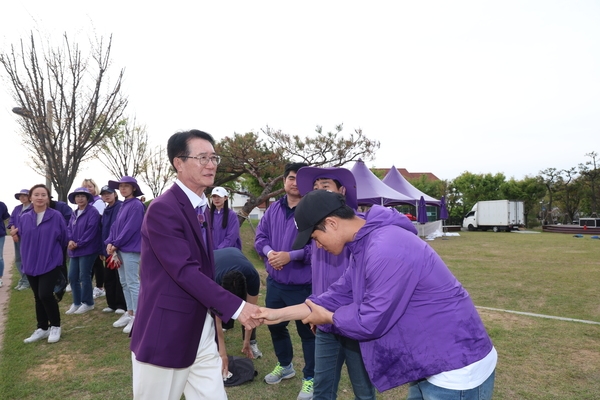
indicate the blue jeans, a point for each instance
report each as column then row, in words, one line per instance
column 129, row 276
column 423, row 390
column 280, row 296
column 80, row 276
column 24, row 282
column 2, row 238
column 330, row 353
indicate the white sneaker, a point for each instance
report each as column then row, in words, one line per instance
column 108, row 309
column 0, row 282
column 123, row 321
column 54, row 334
column 129, row 326
column 38, row 334
column 255, row 351
column 98, row 292
column 68, row 289
column 18, row 287
column 119, row 311
column 83, row 309
column 72, row 309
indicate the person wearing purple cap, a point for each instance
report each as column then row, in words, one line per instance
column 332, row 349
column 125, row 241
column 4, row 215
column 84, row 246
column 414, row 321
column 13, row 225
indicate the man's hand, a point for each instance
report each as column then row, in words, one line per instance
column 318, row 316
column 245, row 316
column 72, row 245
column 278, row 259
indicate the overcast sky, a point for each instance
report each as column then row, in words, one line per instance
column 446, row 87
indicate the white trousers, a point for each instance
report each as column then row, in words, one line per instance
column 202, row 380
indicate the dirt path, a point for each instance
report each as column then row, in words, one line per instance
column 9, row 256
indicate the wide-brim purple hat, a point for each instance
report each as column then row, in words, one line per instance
column 22, row 191
column 306, row 177
column 129, row 180
column 80, row 190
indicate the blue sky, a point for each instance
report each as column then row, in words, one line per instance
column 446, row 87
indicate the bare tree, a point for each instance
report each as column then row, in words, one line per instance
column 260, row 161
column 157, row 172
column 125, row 150
column 67, row 104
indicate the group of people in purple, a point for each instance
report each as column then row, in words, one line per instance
column 363, row 288
column 54, row 242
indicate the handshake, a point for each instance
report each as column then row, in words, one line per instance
column 309, row 312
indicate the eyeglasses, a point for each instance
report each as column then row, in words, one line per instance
column 203, row 160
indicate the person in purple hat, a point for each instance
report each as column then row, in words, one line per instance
column 84, row 246
column 125, row 240
column 13, row 225
column 4, row 215
column 332, row 349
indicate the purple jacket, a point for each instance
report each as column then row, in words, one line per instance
column 177, row 286
column 326, row 270
column 109, row 216
column 125, row 232
column 85, row 231
column 277, row 231
column 412, row 317
column 226, row 237
column 15, row 216
column 42, row 245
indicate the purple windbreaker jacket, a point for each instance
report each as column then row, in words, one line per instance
column 126, row 231
column 228, row 237
column 277, row 231
column 42, row 245
column 412, row 317
column 86, row 232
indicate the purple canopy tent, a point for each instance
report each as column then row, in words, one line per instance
column 371, row 190
column 396, row 181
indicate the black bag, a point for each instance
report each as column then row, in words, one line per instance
column 242, row 370
column 60, row 286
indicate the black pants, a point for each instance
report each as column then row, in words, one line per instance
column 46, row 307
column 114, row 291
column 98, row 271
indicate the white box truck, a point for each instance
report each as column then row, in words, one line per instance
column 497, row 215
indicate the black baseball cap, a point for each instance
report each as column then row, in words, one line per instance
column 311, row 210
column 107, row 188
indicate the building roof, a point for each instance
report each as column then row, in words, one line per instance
column 407, row 175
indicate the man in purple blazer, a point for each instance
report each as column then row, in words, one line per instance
column 173, row 341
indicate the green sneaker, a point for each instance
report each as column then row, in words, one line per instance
column 306, row 393
column 280, row 373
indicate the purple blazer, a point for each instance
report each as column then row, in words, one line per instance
column 177, row 285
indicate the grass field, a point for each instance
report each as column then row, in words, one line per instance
column 539, row 358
